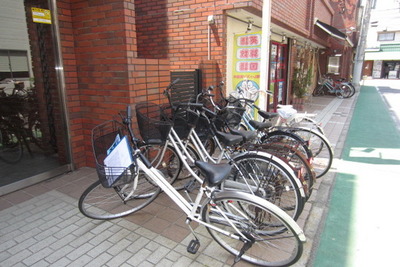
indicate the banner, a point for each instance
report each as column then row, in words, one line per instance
column 246, row 64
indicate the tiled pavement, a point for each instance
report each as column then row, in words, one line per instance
column 42, row 226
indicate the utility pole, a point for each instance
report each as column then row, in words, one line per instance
column 264, row 62
column 360, row 52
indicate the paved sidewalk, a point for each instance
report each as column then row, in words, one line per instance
column 42, row 226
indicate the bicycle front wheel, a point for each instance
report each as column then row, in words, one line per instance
column 320, row 147
column 98, row 202
column 10, row 147
column 274, row 239
column 268, row 177
column 165, row 159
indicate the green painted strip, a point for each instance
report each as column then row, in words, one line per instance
column 359, row 224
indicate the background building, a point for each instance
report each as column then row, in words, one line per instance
column 382, row 54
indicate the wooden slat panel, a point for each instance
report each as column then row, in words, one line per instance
column 188, row 86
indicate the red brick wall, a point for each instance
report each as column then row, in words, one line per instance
column 102, row 68
column 178, row 30
column 292, row 14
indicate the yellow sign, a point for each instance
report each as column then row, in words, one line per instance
column 246, row 64
column 40, row 15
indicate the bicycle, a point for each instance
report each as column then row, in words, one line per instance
column 328, row 86
column 247, row 226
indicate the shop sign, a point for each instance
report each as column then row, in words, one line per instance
column 246, row 64
column 40, row 15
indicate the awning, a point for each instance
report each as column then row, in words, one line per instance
column 332, row 31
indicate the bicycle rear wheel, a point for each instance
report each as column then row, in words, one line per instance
column 98, row 202
column 274, row 238
column 346, row 91
column 296, row 160
column 10, row 147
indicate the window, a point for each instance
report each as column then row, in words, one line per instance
column 386, row 36
column 13, row 64
column 334, row 64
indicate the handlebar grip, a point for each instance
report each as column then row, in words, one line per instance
column 175, row 81
column 240, row 99
column 211, row 113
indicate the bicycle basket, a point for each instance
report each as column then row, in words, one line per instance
column 184, row 119
column 229, row 116
column 154, row 123
column 104, row 138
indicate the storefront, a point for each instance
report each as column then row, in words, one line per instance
column 385, row 62
column 33, row 141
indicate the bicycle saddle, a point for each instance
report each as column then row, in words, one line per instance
column 247, row 135
column 260, row 125
column 214, row 173
column 267, row 115
column 229, row 139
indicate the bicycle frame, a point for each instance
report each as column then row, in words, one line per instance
column 191, row 210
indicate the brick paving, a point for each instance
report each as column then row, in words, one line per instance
column 42, row 226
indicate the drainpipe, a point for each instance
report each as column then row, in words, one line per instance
column 265, row 40
column 211, row 21
column 360, row 52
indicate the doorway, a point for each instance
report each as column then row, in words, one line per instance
column 33, row 144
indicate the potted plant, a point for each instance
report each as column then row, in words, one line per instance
column 300, row 83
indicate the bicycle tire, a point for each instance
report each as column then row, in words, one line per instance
column 11, row 149
column 268, row 177
column 185, row 174
column 346, row 90
column 291, row 139
column 165, row 159
column 318, row 91
column 314, row 125
column 98, row 202
column 353, row 89
column 276, row 239
column 320, row 147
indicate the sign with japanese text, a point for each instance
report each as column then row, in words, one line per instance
column 40, row 15
column 246, row 64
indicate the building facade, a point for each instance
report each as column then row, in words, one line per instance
column 382, row 54
column 95, row 57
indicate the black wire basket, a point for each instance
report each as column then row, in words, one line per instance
column 104, row 138
column 184, row 119
column 230, row 117
column 154, row 122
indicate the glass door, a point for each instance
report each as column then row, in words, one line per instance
column 278, row 72
column 33, row 144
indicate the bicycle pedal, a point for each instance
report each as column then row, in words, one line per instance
column 190, row 186
column 193, row 246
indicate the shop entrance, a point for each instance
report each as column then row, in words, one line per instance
column 277, row 83
column 33, row 143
